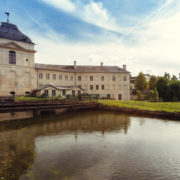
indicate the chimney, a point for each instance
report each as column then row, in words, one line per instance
column 101, row 64
column 75, row 64
column 124, row 67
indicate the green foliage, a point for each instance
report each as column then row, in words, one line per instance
column 174, row 91
column 140, row 82
column 153, row 95
column 152, row 82
column 167, row 76
column 174, row 78
column 24, row 98
column 152, row 106
column 169, row 90
column 139, row 95
column 162, row 87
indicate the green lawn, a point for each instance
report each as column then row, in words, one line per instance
column 23, row 98
column 152, row 106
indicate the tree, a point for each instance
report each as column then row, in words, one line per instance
column 174, row 91
column 140, row 82
column 174, row 78
column 152, row 82
column 167, row 76
column 162, row 87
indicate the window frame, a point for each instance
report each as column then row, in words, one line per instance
column 40, row 75
column 113, row 78
column 91, row 87
column 47, row 76
column 54, row 76
column 91, row 78
column 12, row 57
column 79, row 78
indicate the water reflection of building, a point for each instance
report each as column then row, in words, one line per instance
column 15, row 115
column 17, row 150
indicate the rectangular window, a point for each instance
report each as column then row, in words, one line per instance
column 12, row 57
column 102, row 87
column 79, row 78
column 72, row 78
column 73, row 92
column 97, row 87
column 60, row 77
column 53, row 92
column 64, row 92
column 113, row 78
column 40, row 75
column 66, row 78
column 46, row 92
column 91, row 78
column 47, row 76
column 54, row 76
column 102, row 78
column 124, row 78
column 91, row 87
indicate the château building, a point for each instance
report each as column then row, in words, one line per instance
column 20, row 75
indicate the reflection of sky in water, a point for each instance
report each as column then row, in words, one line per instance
column 100, row 146
column 150, row 150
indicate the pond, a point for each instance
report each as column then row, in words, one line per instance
column 91, row 145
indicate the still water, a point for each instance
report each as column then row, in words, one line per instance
column 91, row 146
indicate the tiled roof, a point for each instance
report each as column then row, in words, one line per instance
column 10, row 31
column 82, row 69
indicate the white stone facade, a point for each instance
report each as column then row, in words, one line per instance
column 25, row 76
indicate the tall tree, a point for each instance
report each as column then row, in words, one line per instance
column 162, row 87
column 152, row 82
column 140, row 82
column 174, row 91
column 174, row 78
column 167, row 76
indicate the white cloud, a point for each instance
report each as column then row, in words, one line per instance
column 96, row 14
column 157, row 50
column 93, row 13
column 65, row 5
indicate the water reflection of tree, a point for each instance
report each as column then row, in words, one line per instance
column 17, row 148
column 16, row 154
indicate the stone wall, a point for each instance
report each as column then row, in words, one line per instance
column 115, row 88
column 19, row 77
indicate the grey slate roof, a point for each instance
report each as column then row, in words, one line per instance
column 82, row 69
column 10, row 31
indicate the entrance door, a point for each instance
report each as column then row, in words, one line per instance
column 119, row 97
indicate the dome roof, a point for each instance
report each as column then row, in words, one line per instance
column 10, row 31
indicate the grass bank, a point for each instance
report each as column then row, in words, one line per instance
column 141, row 105
column 23, row 98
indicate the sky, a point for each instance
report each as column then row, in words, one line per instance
column 143, row 34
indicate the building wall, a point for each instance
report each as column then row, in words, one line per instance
column 57, row 81
column 58, row 92
column 23, row 77
column 19, row 77
column 120, row 86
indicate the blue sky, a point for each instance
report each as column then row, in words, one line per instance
column 142, row 34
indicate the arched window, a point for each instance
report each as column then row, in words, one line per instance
column 12, row 57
